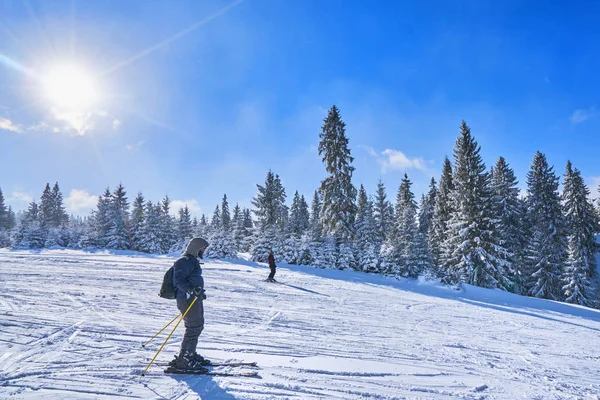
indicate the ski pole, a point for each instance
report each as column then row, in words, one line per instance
column 168, row 337
column 152, row 338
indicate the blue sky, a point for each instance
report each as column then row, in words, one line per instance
column 197, row 99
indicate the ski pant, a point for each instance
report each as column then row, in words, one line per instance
column 272, row 274
column 193, row 321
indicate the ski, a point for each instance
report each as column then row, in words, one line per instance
column 205, row 371
column 214, row 364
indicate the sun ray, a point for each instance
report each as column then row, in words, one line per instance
column 170, row 39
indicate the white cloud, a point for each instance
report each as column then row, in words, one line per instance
column 390, row 160
column 8, row 125
column 135, row 147
column 192, row 204
column 579, row 116
column 80, row 202
column 78, row 122
column 594, row 185
column 19, row 198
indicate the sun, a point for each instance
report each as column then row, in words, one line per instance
column 70, row 87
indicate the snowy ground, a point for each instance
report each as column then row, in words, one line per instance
column 71, row 324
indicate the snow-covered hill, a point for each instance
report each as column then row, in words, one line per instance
column 71, row 325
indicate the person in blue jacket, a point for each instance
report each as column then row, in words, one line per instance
column 187, row 278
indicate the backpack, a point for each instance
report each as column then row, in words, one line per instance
column 168, row 290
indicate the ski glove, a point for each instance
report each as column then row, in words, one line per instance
column 199, row 292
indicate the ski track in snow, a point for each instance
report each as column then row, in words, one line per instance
column 71, row 326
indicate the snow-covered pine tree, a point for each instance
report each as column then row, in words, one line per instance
column 269, row 202
column 426, row 209
column 299, row 220
column 167, row 231
column 151, row 234
column 202, row 230
column 473, row 253
column 272, row 214
column 315, row 231
column 3, row 213
column 582, row 223
column 59, row 215
column 11, row 220
column 267, row 239
column 136, row 221
column 508, row 215
column 546, row 248
column 31, row 234
column 236, row 215
column 215, row 222
column 338, row 194
column 100, row 221
column 366, row 235
column 184, row 228
column 383, row 213
column 402, row 258
column 46, row 208
column 117, row 237
column 442, row 211
column 327, row 254
column 238, row 233
column 248, row 230
column 225, row 215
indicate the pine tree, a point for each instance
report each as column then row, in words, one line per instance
column 236, row 216
column 267, row 239
column 31, row 234
column 3, row 213
column 248, row 230
column 442, row 211
column 473, row 253
column 118, row 230
column 202, row 230
column 299, row 216
column 215, row 222
column 11, row 220
column 383, row 213
column 269, row 202
column 225, row 216
column 366, row 240
column 137, row 220
column 167, row 232
column 46, row 208
column 59, row 215
column 401, row 259
column 315, row 230
column 582, row 223
column 338, row 193
column 508, row 215
column 184, row 227
column 545, row 253
column 426, row 209
column 151, row 239
column 100, row 221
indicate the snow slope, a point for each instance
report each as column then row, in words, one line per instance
column 71, row 325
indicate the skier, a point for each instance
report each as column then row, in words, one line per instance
column 272, row 266
column 187, row 278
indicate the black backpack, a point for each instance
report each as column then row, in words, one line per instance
column 168, row 290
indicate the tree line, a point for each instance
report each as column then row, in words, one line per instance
column 472, row 226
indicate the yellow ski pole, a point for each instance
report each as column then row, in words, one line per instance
column 168, row 337
column 152, row 338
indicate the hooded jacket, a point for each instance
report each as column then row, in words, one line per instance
column 187, row 273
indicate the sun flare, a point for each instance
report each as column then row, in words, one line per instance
column 70, row 87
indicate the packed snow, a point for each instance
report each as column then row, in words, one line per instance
column 72, row 324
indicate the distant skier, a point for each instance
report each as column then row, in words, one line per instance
column 273, row 267
column 187, row 278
